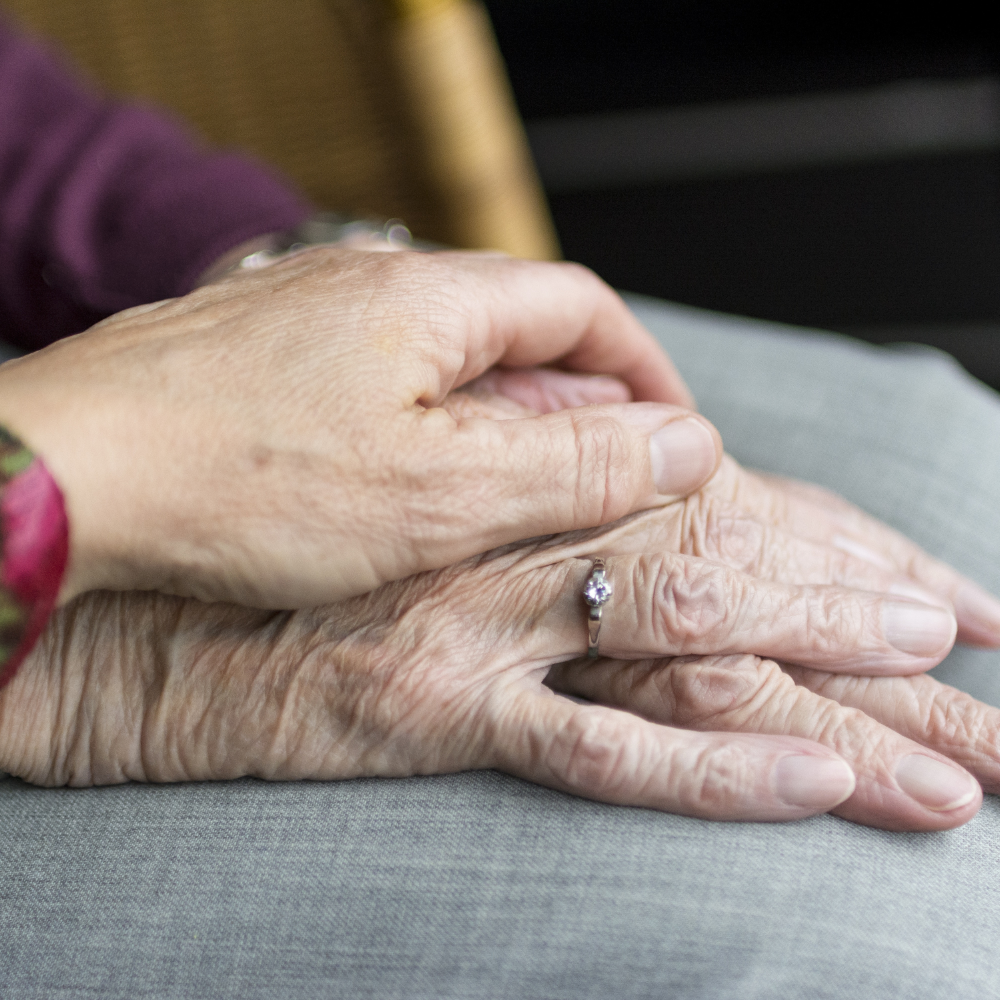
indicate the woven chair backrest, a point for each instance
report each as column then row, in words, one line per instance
column 381, row 109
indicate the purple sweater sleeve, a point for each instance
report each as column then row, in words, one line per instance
column 106, row 205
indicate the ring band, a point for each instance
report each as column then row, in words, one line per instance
column 597, row 592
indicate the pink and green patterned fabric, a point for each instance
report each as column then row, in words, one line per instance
column 34, row 548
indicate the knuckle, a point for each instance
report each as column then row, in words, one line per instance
column 847, row 730
column 834, row 623
column 694, row 604
column 595, row 752
column 715, row 529
column 604, row 469
column 722, row 691
column 712, row 778
column 960, row 722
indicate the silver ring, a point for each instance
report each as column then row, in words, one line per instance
column 597, row 592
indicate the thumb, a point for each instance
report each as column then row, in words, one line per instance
column 577, row 468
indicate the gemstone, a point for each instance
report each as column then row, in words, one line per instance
column 597, row 590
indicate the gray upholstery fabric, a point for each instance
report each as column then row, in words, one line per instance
column 481, row 886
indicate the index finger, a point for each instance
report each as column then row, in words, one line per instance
column 536, row 312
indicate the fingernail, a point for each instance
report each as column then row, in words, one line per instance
column 933, row 784
column 683, row 456
column 813, row 782
column 917, row 629
column 980, row 614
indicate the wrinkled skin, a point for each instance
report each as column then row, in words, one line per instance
column 277, row 438
column 447, row 671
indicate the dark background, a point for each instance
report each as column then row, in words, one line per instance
column 896, row 248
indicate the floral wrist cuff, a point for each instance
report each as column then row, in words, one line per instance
column 34, row 549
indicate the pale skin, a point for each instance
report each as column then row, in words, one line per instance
column 291, row 437
column 277, row 438
column 747, row 672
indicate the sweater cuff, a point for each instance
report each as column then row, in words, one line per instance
column 34, row 533
column 149, row 211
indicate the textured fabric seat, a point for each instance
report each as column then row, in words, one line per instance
column 478, row 886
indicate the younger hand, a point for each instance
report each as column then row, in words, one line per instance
column 277, row 439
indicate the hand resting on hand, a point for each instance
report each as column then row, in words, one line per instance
column 277, row 439
column 750, row 667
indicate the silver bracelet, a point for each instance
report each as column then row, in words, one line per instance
column 332, row 229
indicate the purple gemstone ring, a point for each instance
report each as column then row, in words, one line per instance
column 597, row 592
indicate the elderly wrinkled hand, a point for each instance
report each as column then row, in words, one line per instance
column 277, row 438
column 456, row 669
